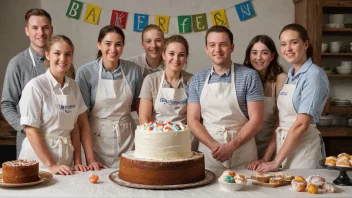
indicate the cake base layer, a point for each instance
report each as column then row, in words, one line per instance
column 20, row 174
column 150, row 172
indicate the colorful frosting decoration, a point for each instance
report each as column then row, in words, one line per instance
column 163, row 126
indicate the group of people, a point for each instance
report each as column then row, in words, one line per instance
column 239, row 114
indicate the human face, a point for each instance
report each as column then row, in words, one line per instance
column 111, row 47
column 39, row 31
column 260, row 56
column 219, row 48
column 293, row 48
column 175, row 56
column 152, row 43
column 60, row 58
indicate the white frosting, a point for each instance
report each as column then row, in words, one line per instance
column 157, row 145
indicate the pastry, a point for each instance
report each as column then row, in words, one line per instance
column 298, row 186
column 288, row 176
column 330, row 161
column 300, row 179
column 344, row 154
column 279, row 174
column 261, row 177
column 230, row 172
column 341, row 158
column 329, row 187
column 343, row 163
column 312, row 189
column 276, row 180
column 316, row 180
column 240, row 179
column 20, row 171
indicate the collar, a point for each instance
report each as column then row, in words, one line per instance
column 227, row 73
column 54, row 81
column 100, row 62
column 36, row 55
column 303, row 69
column 159, row 68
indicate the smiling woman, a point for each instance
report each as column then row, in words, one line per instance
column 49, row 111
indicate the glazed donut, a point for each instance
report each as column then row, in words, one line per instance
column 316, row 180
column 276, row 180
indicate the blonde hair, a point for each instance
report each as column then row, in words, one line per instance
column 71, row 71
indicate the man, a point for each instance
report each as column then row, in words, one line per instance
column 229, row 98
column 25, row 66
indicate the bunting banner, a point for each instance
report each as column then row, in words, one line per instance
column 92, row 14
column 186, row 23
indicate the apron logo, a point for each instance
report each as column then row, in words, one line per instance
column 66, row 108
column 283, row 93
column 172, row 102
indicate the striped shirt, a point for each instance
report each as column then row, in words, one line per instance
column 247, row 82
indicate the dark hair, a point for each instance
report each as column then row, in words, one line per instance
column 107, row 29
column 152, row 27
column 219, row 28
column 274, row 68
column 303, row 34
column 71, row 72
column 36, row 12
column 176, row 39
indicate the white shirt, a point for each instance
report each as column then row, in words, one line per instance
column 37, row 102
column 141, row 60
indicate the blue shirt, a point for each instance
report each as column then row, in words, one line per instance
column 87, row 79
column 312, row 89
column 247, row 82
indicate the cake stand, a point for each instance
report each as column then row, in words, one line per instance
column 342, row 179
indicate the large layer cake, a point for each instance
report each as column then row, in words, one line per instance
column 20, row 171
column 163, row 156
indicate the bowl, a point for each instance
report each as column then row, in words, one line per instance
column 324, row 47
column 344, row 70
column 334, row 48
column 336, row 18
column 324, row 122
column 230, row 187
column 340, row 25
column 330, row 25
column 341, row 102
column 346, row 63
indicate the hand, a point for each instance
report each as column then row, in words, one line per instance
column 224, row 152
column 96, row 166
column 268, row 166
column 253, row 165
column 60, row 170
column 80, row 167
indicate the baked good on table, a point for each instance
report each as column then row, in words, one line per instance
column 343, row 163
column 240, row 179
column 276, row 180
column 312, row 189
column 163, row 156
column 329, row 187
column 298, row 186
column 261, row 177
column 20, row 171
column 316, row 180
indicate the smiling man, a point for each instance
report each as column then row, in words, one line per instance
column 25, row 66
column 229, row 98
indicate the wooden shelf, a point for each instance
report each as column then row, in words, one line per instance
column 334, row 109
column 339, row 75
column 337, row 30
column 336, row 54
column 335, row 131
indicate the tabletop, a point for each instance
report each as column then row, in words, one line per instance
column 78, row 185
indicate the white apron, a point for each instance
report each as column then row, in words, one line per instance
column 223, row 118
column 110, row 119
column 307, row 153
column 171, row 105
column 262, row 138
column 58, row 141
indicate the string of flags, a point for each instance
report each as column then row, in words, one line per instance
column 186, row 23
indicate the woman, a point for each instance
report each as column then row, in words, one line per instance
column 300, row 103
column 49, row 111
column 110, row 87
column 152, row 42
column 164, row 94
column 261, row 55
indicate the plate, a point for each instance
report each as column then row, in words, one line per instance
column 209, row 178
column 339, row 168
column 43, row 175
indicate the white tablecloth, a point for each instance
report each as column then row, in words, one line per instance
column 78, row 185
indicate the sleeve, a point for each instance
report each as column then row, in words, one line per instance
column 84, row 86
column 31, row 106
column 11, row 94
column 314, row 93
column 254, row 87
column 138, row 87
column 146, row 91
column 194, row 96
